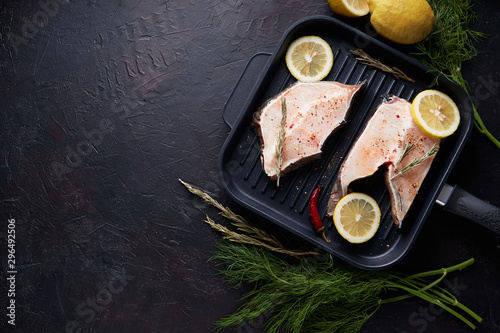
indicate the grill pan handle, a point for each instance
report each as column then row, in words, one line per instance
column 243, row 87
column 456, row 200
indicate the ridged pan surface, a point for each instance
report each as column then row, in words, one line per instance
column 240, row 167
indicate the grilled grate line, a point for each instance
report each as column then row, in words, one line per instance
column 325, row 165
column 299, row 186
column 390, row 243
column 255, row 161
column 301, row 189
column 248, row 151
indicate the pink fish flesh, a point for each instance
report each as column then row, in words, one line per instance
column 314, row 111
column 382, row 142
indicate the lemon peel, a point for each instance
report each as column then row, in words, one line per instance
column 309, row 58
column 349, row 8
column 357, row 217
column 403, row 21
column 435, row 113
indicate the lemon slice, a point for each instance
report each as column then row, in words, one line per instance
column 357, row 217
column 349, row 8
column 435, row 113
column 309, row 58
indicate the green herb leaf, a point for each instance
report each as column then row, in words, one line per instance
column 368, row 60
column 450, row 45
column 281, row 141
column 314, row 296
column 406, row 150
column 321, row 295
column 251, row 234
column 417, row 161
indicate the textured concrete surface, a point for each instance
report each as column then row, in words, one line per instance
column 104, row 106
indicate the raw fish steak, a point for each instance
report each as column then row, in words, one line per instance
column 314, row 111
column 390, row 130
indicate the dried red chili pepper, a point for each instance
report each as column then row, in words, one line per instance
column 314, row 215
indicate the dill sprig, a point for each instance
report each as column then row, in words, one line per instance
column 310, row 297
column 281, row 141
column 419, row 160
column 368, row 60
column 406, row 150
column 322, row 295
column 254, row 235
column 319, row 294
column 450, row 44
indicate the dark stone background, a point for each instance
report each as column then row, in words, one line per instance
column 145, row 82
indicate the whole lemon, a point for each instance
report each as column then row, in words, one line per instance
column 402, row 21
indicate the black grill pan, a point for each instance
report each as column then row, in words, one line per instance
column 287, row 206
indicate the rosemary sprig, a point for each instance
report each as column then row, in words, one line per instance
column 239, row 238
column 254, row 235
column 281, row 141
column 406, row 150
column 419, row 160
column 368, row 60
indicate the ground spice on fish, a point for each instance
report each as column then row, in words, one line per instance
column 314, row 214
